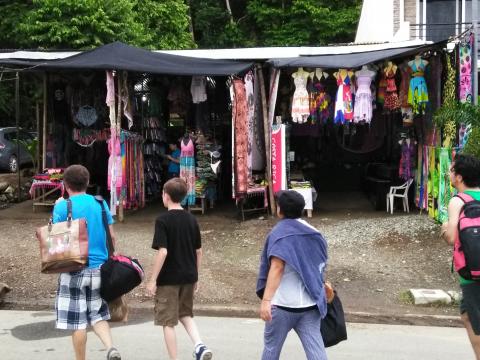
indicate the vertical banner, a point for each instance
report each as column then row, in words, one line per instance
column 279, row 174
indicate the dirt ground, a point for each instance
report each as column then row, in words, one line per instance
column 374, row 257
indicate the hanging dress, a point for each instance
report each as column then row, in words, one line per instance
column 392, row 101
column 406, row 166
column 344, row 101
column 319, row 102
column 382, row 86
column 465, row 57
column 363, row 99
column 417, row 92
column 187, row 170
column 300, row 103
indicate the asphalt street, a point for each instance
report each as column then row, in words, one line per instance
column 31, row 335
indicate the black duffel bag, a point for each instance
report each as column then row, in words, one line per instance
column 120, row 274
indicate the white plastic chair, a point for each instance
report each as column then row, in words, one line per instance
column 399, row 192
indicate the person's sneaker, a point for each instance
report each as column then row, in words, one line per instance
column 202, row 353
column 113, row 354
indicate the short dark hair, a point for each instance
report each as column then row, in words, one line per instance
column 176, row 188
column 291, row 203
column 76, row 177
column 468, row 167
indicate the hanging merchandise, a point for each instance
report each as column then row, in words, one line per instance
column 406, row 109
column 133, row 191
column 87, row 137
column 445, row 187
column 198, row 89
column 407, row 155
column 432, row 186
column 319, row 99
column 279, row 172
column 300, row 103
column 344, row 100
column 363, row 99
column 258, row 143
column 392, row 101
column 114, row 160
column 417, row 92
column 240, row 141
column 127, row 103
column 178, row 98
column 86, row 116
column 187, row 168
column 450, row 129
column 249, row 84
column 465, row 73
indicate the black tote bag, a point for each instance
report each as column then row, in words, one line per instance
column 333, row 328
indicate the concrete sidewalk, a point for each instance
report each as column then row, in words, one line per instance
column 31, row 335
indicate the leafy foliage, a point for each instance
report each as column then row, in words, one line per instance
column 461, row 113
column 73, row 24
column 274, row 22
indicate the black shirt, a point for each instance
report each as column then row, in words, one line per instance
column 178, row 232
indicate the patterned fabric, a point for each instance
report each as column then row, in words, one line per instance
column 344, row 101
column 392, row 102
column 445, row 187
column 406, row 166
column 300, row 103
column 417, row 92
column 187, row 170
column 241, row 138
column 78, row 302
column 382, row 86
column 319, row 102
column 465, row 81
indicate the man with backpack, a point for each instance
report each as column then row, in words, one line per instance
column 463, row 232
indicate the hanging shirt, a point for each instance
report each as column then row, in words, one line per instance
column 199, row 89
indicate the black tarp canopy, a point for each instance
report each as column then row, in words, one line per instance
column 120, row 56
column 352, row 60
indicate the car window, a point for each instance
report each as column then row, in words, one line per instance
column 25, row 136
column 10, row 136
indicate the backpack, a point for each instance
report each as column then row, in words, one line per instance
column 466, row 248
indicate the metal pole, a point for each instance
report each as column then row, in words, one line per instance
column 17, row 124
column 475, row 50
column 44, row 126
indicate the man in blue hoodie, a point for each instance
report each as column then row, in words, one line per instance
column 290, row 281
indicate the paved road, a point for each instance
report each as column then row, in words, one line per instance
column 31, row 335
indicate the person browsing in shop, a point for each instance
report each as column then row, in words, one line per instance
column 173, row 161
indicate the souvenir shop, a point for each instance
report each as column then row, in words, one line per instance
column 125, row 125
column 363, row 122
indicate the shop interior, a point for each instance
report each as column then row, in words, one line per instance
column 353, row 132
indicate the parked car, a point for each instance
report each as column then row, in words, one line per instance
column 10, row 158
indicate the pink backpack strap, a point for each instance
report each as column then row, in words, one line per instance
column 465, row 197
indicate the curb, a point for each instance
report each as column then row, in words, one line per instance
column 250, row 311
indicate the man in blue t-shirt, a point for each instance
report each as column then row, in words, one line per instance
column 174, row 161
column 78, row 302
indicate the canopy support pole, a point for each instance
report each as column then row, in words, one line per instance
column 44, row 125
column 266, row 129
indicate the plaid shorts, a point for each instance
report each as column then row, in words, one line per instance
column 78, row 301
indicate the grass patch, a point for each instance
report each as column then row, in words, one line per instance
column 406, row 297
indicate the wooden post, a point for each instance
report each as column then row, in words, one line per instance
column 44, row 125
column 17, row 123
column 266, row 129
column 37, row 116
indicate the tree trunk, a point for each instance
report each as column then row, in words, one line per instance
column 229, row 10
column 190, row 20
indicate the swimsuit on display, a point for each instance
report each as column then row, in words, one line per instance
column 417, row 92
column 300, row 103
column 391, row 97
column 344, row 101
column 363, row 99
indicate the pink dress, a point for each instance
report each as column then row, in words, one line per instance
column 363, row 99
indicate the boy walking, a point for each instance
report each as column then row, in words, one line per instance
column 78, row 302
column 175, row 269
column 465, row 177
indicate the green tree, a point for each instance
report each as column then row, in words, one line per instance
column 167, row 22
column 80, row 24
column 303, row 22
